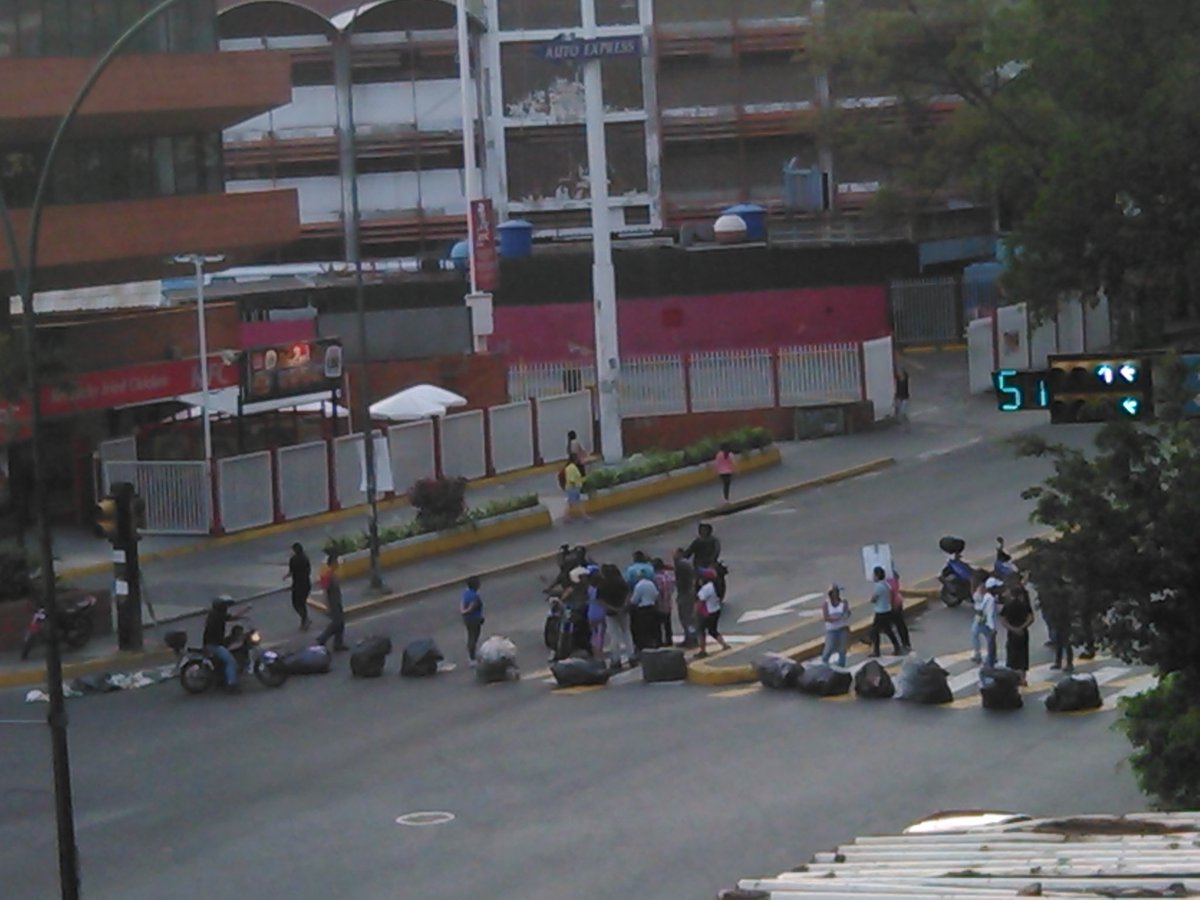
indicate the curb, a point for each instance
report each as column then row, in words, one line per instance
column 370, row 606
column 704, row 672
column 121, row 660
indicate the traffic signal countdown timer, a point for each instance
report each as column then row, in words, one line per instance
column 1021, row 389
column 1088, row 388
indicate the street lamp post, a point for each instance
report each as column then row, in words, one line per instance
column 198, row 261
column 25, row 270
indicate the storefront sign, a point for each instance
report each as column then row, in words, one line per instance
column 288, row 370
column 127, row 386
column 570, row 49
column 483, row 241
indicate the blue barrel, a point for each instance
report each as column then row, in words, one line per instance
column 460, row 255
column 755, row 218
column 516, row 238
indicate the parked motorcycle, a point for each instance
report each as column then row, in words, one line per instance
column 566, row 629
column 956, row 575
column 74, row 625
column 199, row 669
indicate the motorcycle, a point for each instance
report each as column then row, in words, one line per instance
column 956, row 575
column 566, row 629
column 74, row 625
column 199, row 669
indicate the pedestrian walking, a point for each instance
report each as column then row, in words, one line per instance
column 983, row 628
column 331, row 584
column 643, row 614
column 471, row 609
column 300, row 573
column 614, row 595
column 708, row 609
column 576, row 451
column 664, row 580
column 881, row 605
column 835, row 610
column 900, row 403
column 571, row 479
column 725, row 465
column 685, row 597
column 898, row 610
column 1016, row 616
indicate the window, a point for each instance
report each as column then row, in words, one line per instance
column 164, row 167
column 187, row 173
column 19, row 169
column 57, row 35
column 616, row 12
column 29, row 27
column 516, row 15
column 8, row 28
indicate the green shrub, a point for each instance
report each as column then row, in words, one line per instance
column 1163, row 724
column 439, row 502
column 502, row 506
column 657, row 462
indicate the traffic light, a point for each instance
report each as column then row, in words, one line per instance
column 1090, row 388
column 120, row 515
column 107, row 514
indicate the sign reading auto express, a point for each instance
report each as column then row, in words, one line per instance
column 569, row 49
column 127, row 386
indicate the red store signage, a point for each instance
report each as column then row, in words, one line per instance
column 128, row 386
column 483, row 245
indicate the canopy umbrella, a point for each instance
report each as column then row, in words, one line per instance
column 417, row 402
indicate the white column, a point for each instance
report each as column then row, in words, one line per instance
column 493, row 81
column 470, row 173
column 604, row 282
column 343, row 84
column 653, row 119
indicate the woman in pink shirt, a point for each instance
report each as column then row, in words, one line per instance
column 725, row 466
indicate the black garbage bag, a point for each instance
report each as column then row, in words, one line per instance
column 1074, row 693
column 823, row 680
column 369, row 656
column 952, row 545
column 872, row 681
column 420, row 659
column 1000, row 688
column 924, row 681
column 663, row 664
column 776, row 671
column 314, row 660
column 576, row 672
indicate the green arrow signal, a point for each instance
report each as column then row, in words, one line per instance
column 1130, row 405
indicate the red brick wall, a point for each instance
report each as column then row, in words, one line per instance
column 677, row 431
column 480, row 377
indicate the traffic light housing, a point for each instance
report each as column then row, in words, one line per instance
column 1095, row 388
column 120, row 515
column 107, row 514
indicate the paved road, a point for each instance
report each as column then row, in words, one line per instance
column 631, row 790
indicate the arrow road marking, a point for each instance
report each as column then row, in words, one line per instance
column 779, row 609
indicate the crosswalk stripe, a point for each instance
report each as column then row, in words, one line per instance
column 1130, row 687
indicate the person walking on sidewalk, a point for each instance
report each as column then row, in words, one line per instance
column 708, row 608
column 1058, row 618
column 571, row 478
column 300, row 573
column 725, row 465
column 835, row 610
column 575, row 451
column 471, row 609
column 898, row 610
column 685, row 597
column 331, row 584
column 881, row 605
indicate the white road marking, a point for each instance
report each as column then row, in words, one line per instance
column 779, row 609
column 432, row 817
column 942, row 451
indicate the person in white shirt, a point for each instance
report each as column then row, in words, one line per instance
column 835, row 610
column 708, row 610
column 984, row 626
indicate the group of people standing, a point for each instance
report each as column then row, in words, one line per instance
column 1001, row 604
column 887, row 606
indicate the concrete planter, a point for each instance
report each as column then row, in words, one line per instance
column 676, row 480
column 436, row 543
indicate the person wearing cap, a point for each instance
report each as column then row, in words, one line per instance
column 220, row 613
column 835, row 610
column 984, row 626
column 300, row 573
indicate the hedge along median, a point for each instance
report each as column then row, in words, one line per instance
column 657, row 474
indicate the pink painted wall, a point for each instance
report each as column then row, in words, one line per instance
column 778, row 318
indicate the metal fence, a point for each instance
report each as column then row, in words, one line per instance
column 463, row 446
column 819, row 373
column 926, row 311
column 303, row 479
column 558, row 415
column 178, row 495
column 653, row 385
column 511, row 428
column 732, row 379
column 245, row 491
column 548, row 379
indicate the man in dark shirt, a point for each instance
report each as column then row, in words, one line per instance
column 300, row 572
column 705, row 553
column 219, row 615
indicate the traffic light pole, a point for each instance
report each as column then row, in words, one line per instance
column 127, row 571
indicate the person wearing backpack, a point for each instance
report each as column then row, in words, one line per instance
column 613, row 594
column 835, row 610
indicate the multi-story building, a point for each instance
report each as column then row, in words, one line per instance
column 723, row 96
column 138, row 180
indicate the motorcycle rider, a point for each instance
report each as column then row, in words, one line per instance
column 219, row 615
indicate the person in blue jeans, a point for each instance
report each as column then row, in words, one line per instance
column 983, row 627
column 219, row 615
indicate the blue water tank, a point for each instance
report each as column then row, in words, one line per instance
column 516, row 238
column 460, row 255
column 803, row 189
column 755, row 218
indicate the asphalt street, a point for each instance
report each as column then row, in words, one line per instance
column 630, row 790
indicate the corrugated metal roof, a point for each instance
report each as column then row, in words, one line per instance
column 1136, row 855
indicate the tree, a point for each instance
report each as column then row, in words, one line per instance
column 1124, row 561
column 1076, row 117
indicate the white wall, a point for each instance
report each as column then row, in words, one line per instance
column 980, row 355
column 1012, row 337
column 312, row 112
column 434, row 105
column 381, row 194
column 879, row 363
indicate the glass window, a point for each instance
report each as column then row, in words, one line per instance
column 81, row 27
column 164, row 167
column 204, row 27
column 617, row 12
column 19, row 169
column 90, row 179
column 516, row 15
column 179, row 28
column 8, row 28
column 141, row 169
column 57, row 33
column 187, row 180
column 29, row 28
column 154, row 39
column 62, row 175
column 211, row 164
column 107, row 24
